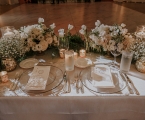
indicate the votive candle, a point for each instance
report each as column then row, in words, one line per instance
column 82, row 53
column 4, row 76
column 62, row 53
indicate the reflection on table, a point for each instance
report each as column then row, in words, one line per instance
column 8, row 2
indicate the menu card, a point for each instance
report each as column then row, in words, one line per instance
column 102, row 77
column 38, row 78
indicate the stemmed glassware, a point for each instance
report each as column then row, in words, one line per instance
column 115, row 53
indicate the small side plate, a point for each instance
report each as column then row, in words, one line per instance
column 28, row 63
column 83, row 62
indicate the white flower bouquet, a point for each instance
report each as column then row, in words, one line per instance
column 64, row 37
column 38, row 36
column 85, row 34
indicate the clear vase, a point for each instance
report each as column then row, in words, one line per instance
column 87, row 46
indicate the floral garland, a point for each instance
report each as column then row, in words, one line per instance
column 102, row 38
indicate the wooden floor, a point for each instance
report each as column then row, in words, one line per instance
column 73, row 13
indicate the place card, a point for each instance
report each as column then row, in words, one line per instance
column 38, row 78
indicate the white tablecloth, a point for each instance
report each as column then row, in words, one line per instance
column 77, row 106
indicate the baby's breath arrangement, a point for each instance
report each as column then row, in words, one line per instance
column 138, row 47
column 13, row 47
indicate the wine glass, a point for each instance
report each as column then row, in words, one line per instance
column 115, row 53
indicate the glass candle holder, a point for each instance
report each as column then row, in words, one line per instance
column 4, row 76
column 7, row 31
column 82, row 53
column 62, row 53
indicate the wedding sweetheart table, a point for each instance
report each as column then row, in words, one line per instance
column 55, row 104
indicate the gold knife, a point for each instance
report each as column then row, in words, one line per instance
column 125, row 79
column 132, row 85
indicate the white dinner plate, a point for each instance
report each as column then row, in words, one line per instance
column 28, row 63
column 83, row 62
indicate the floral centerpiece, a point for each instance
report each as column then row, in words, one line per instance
column 38, row 36
column 118, row 38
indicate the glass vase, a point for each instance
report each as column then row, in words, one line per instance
column 87, row 46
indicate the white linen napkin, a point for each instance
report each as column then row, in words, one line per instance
column 102, row 77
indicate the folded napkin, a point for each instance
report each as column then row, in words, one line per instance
column 38, row 78
column 102, row 77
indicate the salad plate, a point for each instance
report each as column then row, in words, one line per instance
column 28, row 63
column 83, row 62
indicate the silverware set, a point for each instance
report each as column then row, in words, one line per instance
column 67, row 87
column 130, row 86
column 79, row 84
column 13, row 86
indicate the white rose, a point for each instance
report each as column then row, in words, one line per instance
column 61, row 30
column 52, row 26
column 82, row 32
column 83, row 27
column 123, row 25
column 70, row 27
column 124, row 31
column 97, row 23
column 40, row 20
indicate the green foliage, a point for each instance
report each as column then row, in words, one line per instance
column 75, row 42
